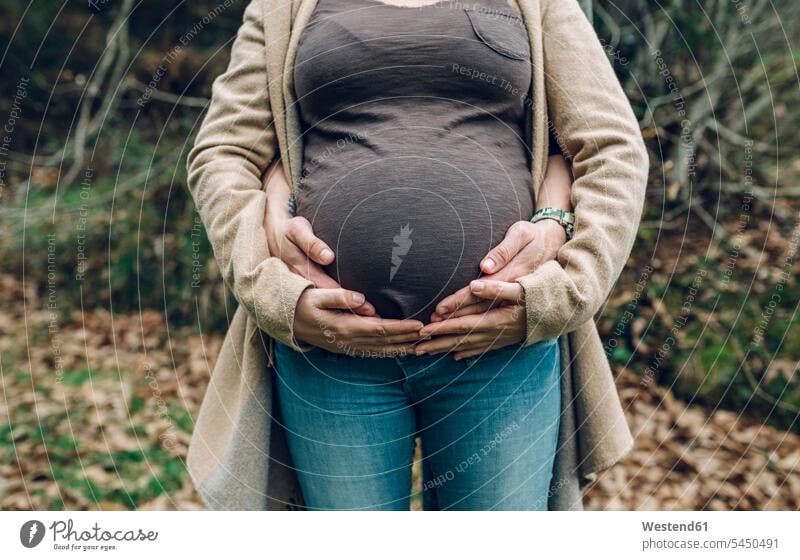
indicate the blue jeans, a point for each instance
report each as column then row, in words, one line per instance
column 488, row 427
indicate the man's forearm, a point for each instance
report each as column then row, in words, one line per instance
column 277, row 188
column 557, row 185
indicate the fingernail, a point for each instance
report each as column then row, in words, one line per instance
column 477, row 285
column 419, row 351
column 488, row 264
column 358, row 298
column 326, row 254
column 442, row 310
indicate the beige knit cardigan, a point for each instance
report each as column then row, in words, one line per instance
column 237, row 456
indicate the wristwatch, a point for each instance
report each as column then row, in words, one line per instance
column 566, row 219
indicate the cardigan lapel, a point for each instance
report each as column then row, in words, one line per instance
column 280, row 16
column 531, row 14
column 277, row 16
column 302, row 10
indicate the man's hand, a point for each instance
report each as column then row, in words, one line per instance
column 293, row 240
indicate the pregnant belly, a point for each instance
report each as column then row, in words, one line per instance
column 407, row 234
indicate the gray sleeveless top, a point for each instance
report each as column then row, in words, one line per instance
column 414, row 161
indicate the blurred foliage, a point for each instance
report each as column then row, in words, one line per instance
column 715, row 85
column 122, row 203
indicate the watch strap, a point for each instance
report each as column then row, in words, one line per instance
column 566, row 219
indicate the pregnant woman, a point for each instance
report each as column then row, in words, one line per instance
column 415, row 167
column 408, row 130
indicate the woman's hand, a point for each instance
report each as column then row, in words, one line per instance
column 474, row 334
column 325, row 317
column 292, row 239
column 525, row 247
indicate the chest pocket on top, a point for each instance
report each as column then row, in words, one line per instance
column 501, row 30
